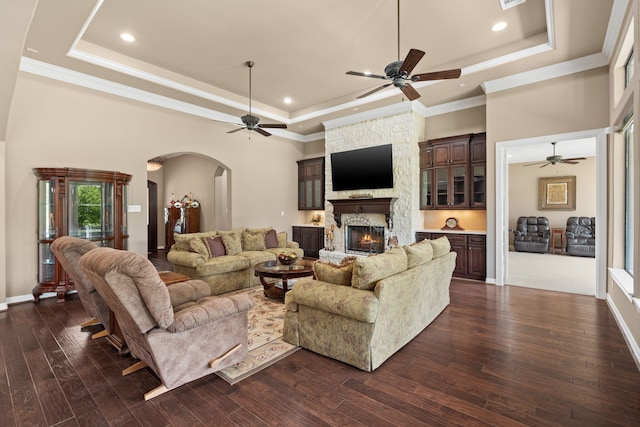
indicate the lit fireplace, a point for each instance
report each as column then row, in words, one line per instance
column 365, row 239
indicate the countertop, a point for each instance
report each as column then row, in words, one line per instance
column 437, row 230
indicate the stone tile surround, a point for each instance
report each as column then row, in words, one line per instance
column 404, row 131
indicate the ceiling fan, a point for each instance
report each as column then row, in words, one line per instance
column 399, row 72
column 552, row 160
column 251, row 122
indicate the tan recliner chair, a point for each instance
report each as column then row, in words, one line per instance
column 68, row 251
column 179, row 331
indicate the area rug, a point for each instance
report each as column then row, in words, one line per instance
column 266, row 321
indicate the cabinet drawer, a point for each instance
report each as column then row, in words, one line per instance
column 454, row 239
column 476, row 240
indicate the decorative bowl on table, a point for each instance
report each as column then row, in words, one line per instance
column 287, row 259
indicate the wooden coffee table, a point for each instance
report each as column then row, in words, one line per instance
column 275, row 270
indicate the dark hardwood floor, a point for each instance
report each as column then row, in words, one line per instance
column 495, row 357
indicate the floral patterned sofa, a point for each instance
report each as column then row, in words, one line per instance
column 225, row 259
column 364, row 310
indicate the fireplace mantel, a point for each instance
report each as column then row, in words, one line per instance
column 381, row 205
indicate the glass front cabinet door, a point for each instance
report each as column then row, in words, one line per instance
column 87, row 204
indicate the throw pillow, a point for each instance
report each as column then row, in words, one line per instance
column 232, row 242
column 215, row 246
column 253, row 240
column 368, row 271
column 197, row 245
column 440, row 246
column 339, row 274
column 282, row 239
column 419, row 253
column 271, row 239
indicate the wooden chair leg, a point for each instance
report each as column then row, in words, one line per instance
column 217, row 361
column 89, row 323
column 100, row 334
column 156, row 392
column 134, row 368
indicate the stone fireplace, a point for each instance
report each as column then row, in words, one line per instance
column 396, row 211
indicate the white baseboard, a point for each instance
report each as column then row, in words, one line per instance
column 626, row 332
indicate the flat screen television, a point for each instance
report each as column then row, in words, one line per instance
column 363, row 169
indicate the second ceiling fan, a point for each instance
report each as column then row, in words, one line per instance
column 251, row 122
column 399, row 72
column 556, row 158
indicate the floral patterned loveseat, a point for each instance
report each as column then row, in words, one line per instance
column 225, row 259
column 361, row 312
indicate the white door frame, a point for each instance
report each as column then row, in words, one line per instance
column 502, row 202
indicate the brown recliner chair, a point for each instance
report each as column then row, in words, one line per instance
column 580, row 236
column 68, row 251
column 179, row 331
column 532, row 234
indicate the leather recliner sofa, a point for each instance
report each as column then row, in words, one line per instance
column 532, row 234
column 580, row 236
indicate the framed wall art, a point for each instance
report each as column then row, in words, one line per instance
column 557, row 193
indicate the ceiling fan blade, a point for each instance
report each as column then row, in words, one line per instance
column 262, row 132
column 410, row 92
column 273, row 126
column 569, row 162
column 374, row 90
column 575, row 158
column 546, row 164
column 437, row 75
column 236, row 130
column 359, row 74
column 413, row 57
column 534, row 163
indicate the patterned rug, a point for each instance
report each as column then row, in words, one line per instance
column 266, row 321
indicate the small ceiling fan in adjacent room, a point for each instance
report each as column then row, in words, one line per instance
column 399, row 72
column 554, row 159
column 251, row 122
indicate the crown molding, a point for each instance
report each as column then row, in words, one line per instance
column 546, row 73
column 451, row 107
column 614, row 27
column 376, row 113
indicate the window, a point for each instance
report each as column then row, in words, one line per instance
column 628, row 68
column 629, row 194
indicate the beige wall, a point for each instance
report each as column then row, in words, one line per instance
column 471, row 120
column 523, row 191
column 53, row 124
column 566, row 104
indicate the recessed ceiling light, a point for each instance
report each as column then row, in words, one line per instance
column 461, row 84
column 288, row 100
column 499, row 26
column 32, row 50
column 127, row 37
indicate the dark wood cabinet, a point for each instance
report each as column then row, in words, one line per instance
column 471, row 261
column 310, row 239
column 89, row 204
column 181, row 221
column 452, row 172
column 311, row 184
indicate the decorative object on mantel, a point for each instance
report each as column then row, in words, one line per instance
column 557, row 193
column 316, row 219
column 329, row 237
column 361, row 196
column 452, row 223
